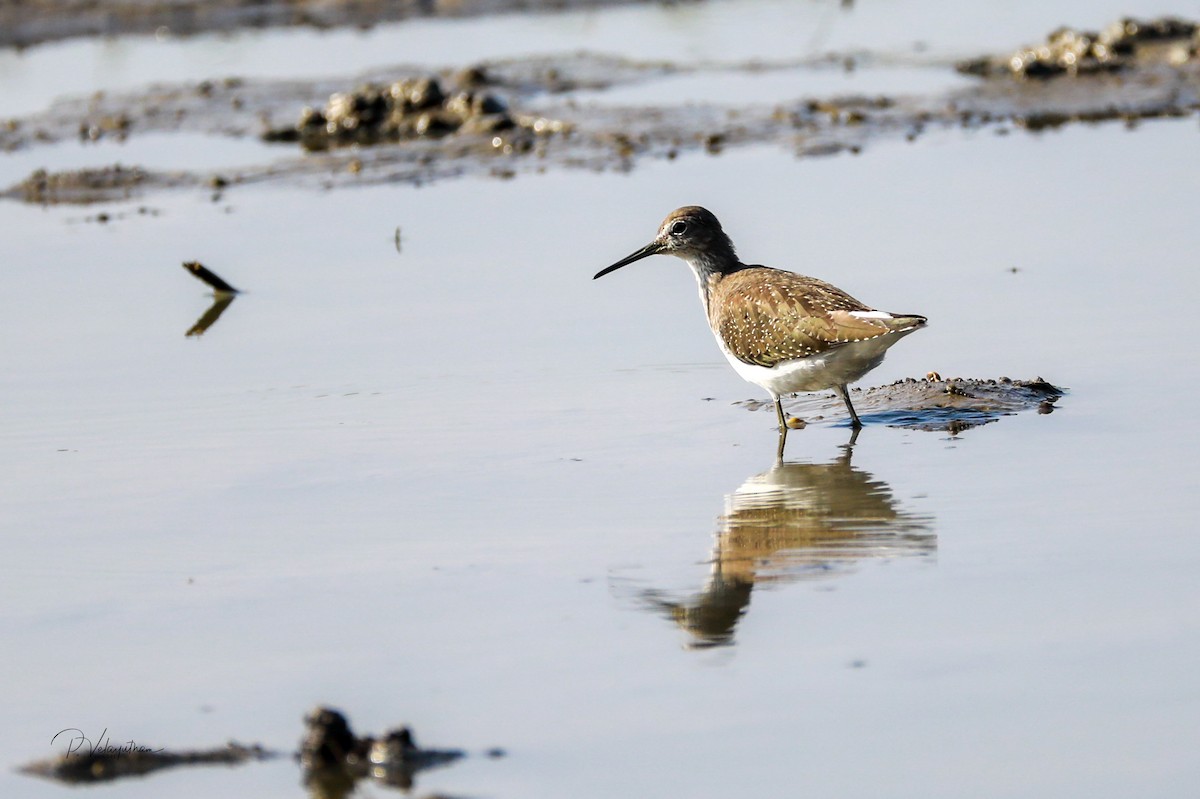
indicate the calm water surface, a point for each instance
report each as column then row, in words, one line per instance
column 719, row 30
column 465, row 487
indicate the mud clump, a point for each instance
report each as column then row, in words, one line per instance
column 932, row 403
column 334, row 758
column 1068, row 52
column 958, row 404
column 417, row 108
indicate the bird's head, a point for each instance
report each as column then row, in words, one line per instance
column 691, row 233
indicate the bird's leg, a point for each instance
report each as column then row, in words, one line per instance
column 844, row 393
column 783, row 428
column 779, row 415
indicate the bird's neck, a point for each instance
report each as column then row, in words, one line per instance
column 711, row 267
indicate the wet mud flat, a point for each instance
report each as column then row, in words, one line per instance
column 504, row 118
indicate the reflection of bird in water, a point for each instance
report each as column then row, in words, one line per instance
column 795, row 521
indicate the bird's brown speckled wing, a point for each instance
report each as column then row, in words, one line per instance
column 767, row 316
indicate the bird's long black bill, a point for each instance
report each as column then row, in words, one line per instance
column 653, row 248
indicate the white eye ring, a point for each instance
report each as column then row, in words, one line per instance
column 678, row 227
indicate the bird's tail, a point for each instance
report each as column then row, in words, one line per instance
column 901, row 322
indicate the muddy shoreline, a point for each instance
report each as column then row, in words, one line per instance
column 504, row 118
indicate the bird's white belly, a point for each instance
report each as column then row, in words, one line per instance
column 836, row 367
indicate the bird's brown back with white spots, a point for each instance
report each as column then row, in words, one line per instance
column 768, row 316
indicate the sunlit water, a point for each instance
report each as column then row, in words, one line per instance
column 465, row 487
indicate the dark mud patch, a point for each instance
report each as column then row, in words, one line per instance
column 333, row 758
column 105, row 764
column 510, row 117
column 30, row 22
column 930, row 404
column 87, row 186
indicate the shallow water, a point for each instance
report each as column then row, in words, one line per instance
column 464, row 486
column 721, row 30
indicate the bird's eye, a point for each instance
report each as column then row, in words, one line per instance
column 678, row 228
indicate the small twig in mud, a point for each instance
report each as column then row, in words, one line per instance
column 201, row 272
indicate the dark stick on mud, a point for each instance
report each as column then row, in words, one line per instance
column 202, row 273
